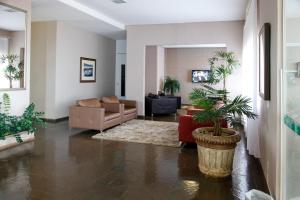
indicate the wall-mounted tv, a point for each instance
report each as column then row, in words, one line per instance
column 199, row 76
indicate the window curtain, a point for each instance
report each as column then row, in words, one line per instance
column 250, row 76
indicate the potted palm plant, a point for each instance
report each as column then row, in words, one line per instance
column 215, row 144
column 171, row 85
column 222, row 64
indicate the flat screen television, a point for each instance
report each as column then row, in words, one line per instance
column 200, row 76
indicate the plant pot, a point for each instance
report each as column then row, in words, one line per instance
column 215, row 153
column 10, row 141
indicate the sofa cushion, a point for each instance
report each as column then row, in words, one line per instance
column 91, row 103
column 110, row 115
column 110, row 99
column 129, row 110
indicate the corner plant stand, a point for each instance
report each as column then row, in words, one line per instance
column 216, row 153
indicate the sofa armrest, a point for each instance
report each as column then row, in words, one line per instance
column 112, row 107
column 86, row 117
column 185, row 122
column 129, row 103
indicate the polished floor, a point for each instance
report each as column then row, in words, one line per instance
column 69, row 165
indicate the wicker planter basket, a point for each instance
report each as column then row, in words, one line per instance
column 215, row 153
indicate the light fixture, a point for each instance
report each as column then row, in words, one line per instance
column 119, row 1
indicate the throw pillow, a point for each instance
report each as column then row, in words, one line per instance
column 90, row 103
column 110, row 99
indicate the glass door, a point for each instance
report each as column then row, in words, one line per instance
column 291, row 101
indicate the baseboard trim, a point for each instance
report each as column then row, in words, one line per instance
column 56, row 120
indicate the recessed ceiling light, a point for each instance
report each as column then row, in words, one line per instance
column 119, row 1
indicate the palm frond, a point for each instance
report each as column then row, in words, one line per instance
column 222, row 65
column 208, row 115
column 240, row 106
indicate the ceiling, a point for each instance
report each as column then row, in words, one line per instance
column 11, row 19
column 110, row 19
column 51, row 10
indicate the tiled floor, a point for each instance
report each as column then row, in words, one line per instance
column 65, row 165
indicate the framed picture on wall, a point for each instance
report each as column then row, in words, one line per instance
column 264, row 62
column 87, row 70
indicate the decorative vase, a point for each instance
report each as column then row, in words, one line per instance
column 216, row 153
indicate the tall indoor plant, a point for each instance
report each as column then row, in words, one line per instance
column 171, row 85
column 216, row 144
column 222, row 64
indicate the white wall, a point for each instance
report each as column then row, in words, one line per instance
column 16, row 41
column 4, row 33
column 138, row 36
column 151, row 70
column 20, row 98
column 160, row 67
column 121, row 48
column 154, row 69
column 270, row 110
column 73, row 43
column 181, row 61
column 43, row 67
column 62, row 66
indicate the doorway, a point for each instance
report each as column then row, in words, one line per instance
column 120, row 89
column 123, row 70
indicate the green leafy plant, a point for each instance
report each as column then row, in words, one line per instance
column 3, row 126
column 12, row 72
column 209, row 98
column 206, row 92
column 171, row 85
column 6, row 103
column 222, row 64
column 31, row 118
column 14, row 125
column 218, row 111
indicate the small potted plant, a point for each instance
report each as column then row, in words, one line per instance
column 171, row 85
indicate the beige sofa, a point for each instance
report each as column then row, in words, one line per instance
column 91, row 114
column 129, row 108
column 100, row 115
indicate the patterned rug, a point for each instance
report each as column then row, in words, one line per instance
column 143, row 131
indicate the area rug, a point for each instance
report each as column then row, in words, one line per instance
column 143, row 131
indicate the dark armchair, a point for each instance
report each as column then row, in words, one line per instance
column 160, row 106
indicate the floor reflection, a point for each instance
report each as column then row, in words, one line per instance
column 63, row 164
